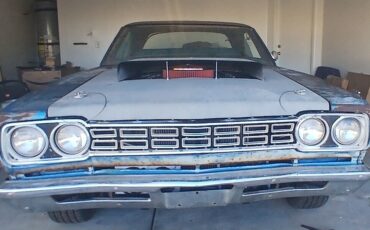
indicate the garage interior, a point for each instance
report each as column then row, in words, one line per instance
column 42, row 41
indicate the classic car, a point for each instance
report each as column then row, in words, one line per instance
column 181, row 115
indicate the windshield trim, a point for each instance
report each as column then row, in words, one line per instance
column 267, row 60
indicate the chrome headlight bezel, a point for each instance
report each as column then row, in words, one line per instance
column 58, row 149
column 323, row 138
column 362, row 135
column 15, row 154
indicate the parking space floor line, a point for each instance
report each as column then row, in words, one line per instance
column 153, row 219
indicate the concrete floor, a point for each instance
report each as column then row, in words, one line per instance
column 341, row 213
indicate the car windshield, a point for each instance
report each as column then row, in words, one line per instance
column 186, row 41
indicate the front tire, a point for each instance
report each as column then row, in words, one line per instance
column 309, row 202
column 71, row 216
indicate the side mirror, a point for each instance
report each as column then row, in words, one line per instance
column 275, row 55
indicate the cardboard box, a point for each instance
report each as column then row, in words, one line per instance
column 359, row 83
column 36, row 80
column 368, row 96
column 338, row 81
column 69, row 69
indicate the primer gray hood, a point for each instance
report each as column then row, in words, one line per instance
column 105, row 98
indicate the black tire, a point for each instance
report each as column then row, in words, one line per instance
column 71, row 216
column 308, row 202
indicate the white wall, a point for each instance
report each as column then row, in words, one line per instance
column 97, row 22
column 347, row 35
column 17, row 36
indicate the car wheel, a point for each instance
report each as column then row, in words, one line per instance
column 308, row 202
column 71, row 216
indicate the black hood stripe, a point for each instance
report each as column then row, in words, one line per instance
column 334, row 95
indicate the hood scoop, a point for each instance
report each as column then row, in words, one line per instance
column 135, row 70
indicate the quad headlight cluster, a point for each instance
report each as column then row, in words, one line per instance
column 321, row 132
column 45, row 141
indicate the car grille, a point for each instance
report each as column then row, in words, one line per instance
column 127, row 138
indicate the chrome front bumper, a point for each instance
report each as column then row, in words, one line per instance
column 183, row 190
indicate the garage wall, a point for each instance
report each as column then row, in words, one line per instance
column 17, row 36
column 96, row 22
column 346, row 35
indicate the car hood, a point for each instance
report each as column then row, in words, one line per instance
column 106, row 98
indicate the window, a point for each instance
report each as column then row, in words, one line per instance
column 177, row 40
column 187, row 41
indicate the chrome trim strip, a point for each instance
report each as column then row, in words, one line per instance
column 169, row 124
column 191, row 151
column 105, row 201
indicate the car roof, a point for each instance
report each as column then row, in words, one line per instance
column 211, row 23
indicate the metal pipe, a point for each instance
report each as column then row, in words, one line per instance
column 47, row 31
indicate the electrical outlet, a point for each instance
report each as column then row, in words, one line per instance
column 97, row 44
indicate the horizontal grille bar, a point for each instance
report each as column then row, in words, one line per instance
column 227, row 141
column 196, row 142
column 165, row 132
column 103, row 133
column 255, row 140
column 196, row 131
column 165, row 143
column 227, row 130
column 282, row 139
column 256, row 129
column 127, row 144
column 133, row 133
column 104, row 145
column 282, row 128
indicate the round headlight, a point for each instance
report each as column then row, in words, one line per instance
column 28, row 142
column 347, row 131
column 71, row 139
column 311, row 131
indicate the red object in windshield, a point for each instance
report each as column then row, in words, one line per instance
column 188, row 72
column 174, row 74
